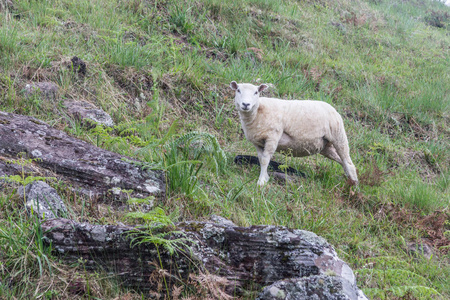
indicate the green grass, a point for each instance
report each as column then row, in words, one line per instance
column 161, row 68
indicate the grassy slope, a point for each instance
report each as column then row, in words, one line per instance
column 380, row 63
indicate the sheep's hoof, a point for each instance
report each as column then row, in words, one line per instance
column 352, row 182
column 262, row 182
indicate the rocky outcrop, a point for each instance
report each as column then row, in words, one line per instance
column 245, row 257
column 84, row 111
column 91, row 170
column 238, row 258
column 46, row 90
column 318, row 287
column 43, row 200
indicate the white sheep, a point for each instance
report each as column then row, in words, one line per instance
column 302, row 127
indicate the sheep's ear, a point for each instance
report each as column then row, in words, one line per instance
column 262, row 87
column 233, row 85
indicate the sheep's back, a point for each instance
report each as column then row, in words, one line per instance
column 309, row 113
column 307, row 125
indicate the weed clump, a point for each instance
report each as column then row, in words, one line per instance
column 439, row 19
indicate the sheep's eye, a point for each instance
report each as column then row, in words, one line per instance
column 256, row 92
column 239, row 91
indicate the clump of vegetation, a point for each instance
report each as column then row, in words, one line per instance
column 438, row 19
column 161, row 69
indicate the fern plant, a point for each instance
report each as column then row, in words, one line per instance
column 158, row 230
column 186, row 155
column 394, row 280
column 22, row 179
column 158, row 227
column 183, row 157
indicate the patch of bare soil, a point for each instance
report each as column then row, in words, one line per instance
column 28, row 73
column 373, row 176
column 402, row 123
column 215, row 54
column 426, row 168
column 396, row 124
column 133, row 82
column 211, row 53
column 435, row 225
column 432, row 226
column 39, row 74
column 135, row 86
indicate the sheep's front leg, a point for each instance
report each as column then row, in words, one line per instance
column 264, row 156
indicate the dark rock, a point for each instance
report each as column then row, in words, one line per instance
column 273, row 165
column 420, row 249
column 78, row 66
column 83, row 110
column 7, row 169
column 46, row 90
column 43, row 200
column 317, row 287
column 91, row 170
column 281, row 177
column 244, row 257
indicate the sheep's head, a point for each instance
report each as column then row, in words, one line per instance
column 247, row 95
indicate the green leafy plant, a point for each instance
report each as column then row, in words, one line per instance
column 160, row 231
column 179, row 17
column 186, row 155
column 23, row 179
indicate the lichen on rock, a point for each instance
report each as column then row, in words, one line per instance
column 43, row 200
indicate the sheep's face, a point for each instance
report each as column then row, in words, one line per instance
column 247, row 96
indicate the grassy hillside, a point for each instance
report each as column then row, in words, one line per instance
column 162, row 70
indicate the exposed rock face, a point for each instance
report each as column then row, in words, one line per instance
column 92, row 170
column 420, row 249
column 244, row 256
column 317, row 287
column 83, row 110
column 8, row 169
column 221, row 221
column 43, row 200
column 108, row 247
column 47, row 90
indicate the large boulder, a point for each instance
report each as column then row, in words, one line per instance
column 91, row 170
column 244, row 257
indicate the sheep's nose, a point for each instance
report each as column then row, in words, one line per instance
column 245, row 106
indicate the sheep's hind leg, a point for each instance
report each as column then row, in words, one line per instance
column 349, row 168
column 330, row 152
